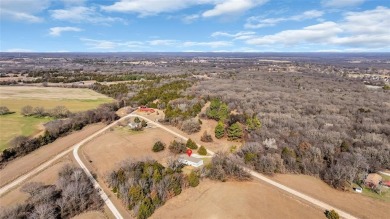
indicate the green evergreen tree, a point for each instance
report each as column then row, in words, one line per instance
column 219, row 130
column 234, row 131
column 191, row 144
column 137, row 120
column 202, row 150
column 193, row 179
column 158, row 146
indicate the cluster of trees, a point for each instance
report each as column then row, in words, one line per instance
column 224, row 166
column 116, row 91
column 73, row 194
column 177, row 147
column 4, row 110
column 218, row 110
column 315, row 124
column 182, row 109
column 22, row 145
column 143, row 186
column 164, row 93
column 57, row 112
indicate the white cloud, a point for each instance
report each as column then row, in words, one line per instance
column 190, row 18
column 232, row 7
column 162, row 42
column 242, row 35
column 69, row 3
column 108, row 44
column 23, row 10
column 82, row 14
column 259, row 21
column 56, row 31
column 154, row 7
column 366, row 29
column 341, row 3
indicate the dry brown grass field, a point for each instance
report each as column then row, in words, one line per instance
column 354, row 203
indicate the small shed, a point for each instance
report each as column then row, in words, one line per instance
column 191, row 161
column 372, row 180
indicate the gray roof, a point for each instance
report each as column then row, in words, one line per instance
column 192, row 159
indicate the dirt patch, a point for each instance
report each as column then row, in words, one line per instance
column 353, row 203
column 235, row 200
column 49, row 177
column 91, row 215
column 24, row 164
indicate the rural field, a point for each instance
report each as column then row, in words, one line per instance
column 15, row 98
column 235, row 200
column 26, row 163
column 356, row 204
column 109, row 149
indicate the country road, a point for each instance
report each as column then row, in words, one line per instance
column 111, row 206
column 75, row 148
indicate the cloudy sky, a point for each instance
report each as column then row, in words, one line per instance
column 195, row 25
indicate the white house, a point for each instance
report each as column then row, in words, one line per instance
column 192, row 161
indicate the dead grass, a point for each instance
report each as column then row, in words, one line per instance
column 354, row 203
column 235, row 200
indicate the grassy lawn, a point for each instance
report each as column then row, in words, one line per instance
column 385, row 196
column 15, row 124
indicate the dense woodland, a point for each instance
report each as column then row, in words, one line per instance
column 321, row 125
column 73, row 194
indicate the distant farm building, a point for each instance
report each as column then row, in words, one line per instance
column 146, row 109
column 373, row 180
column 192, row 161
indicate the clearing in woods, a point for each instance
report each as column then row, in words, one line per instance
column 12, row 125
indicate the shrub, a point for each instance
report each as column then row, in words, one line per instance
column 202, row 150
column 137, row 120
column 206, row 137
column 190, row 126
column 332, row 214
column 177, row 147
column 144, row 124
column 158, row 146
column 4, row 110
column 191, row 144
column 219, row 130
column 193, row 179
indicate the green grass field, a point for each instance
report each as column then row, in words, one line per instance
column 13, row 125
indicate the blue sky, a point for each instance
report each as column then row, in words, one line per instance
column 189, row 25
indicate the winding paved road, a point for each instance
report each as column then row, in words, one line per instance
column 111, row 206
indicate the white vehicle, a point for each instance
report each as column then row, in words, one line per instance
column 358, row 190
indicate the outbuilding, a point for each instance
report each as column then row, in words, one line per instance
column 191, row 161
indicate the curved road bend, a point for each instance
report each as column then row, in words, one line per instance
column 45, row 165
column 307, row 198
